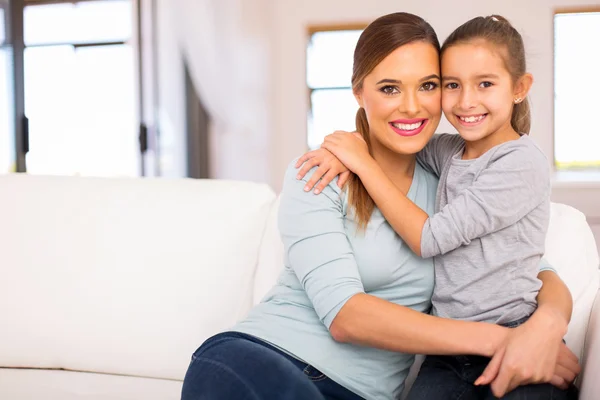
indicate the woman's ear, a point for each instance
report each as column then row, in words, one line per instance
column 523, row 86
column 358, row 97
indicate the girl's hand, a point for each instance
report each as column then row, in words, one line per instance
column 530, row 355
column 329, row 168
column 350, row 149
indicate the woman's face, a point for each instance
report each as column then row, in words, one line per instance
column 402, row 98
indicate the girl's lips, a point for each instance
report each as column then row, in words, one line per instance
column 470, row 124
column 412, row 132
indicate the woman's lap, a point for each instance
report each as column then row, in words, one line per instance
column 233, row 365
column 452, row 377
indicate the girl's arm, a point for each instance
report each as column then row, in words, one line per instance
column 318, row 252
column 515, row 182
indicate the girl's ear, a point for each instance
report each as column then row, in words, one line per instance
column 523, row 86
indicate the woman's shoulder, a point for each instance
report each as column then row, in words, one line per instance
column 291, row 183
column 427, row 184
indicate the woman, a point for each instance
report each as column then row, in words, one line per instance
column 349, row 309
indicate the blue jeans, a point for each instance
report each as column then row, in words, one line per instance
column 236, row 366
column 452, row 378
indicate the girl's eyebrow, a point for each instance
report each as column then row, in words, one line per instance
column 487, row 76
column 484, row 76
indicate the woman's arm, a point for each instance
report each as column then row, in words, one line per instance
column 534, row 352
column 319, row 253
column 554, row 300
column 370, row 321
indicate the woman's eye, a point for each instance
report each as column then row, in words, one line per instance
column 452, row 85
column 485, row 84
column 429, row 86
column 389, row 89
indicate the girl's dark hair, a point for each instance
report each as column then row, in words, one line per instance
column 496, row 30
column 378, row 40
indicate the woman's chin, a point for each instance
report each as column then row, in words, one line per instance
column 413, row 144
column 410, row 147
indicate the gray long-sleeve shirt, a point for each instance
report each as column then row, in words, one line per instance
column 488, row 233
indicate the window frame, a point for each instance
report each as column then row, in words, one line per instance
column 143, row 18
column 575, row 166
column 311, row 31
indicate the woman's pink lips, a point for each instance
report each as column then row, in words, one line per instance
column 411, row 121
column 408, row 121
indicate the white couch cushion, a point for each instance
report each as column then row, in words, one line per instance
column 270, row 260
column 571, row 249
column 26, row 384
column 124, row 276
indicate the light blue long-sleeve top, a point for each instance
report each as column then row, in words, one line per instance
column 327, row 261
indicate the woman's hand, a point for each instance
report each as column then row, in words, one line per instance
column 567, row 368
column 532, row 353
column 350, row 149
column 329, row 168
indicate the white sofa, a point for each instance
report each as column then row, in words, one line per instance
column 107, row 286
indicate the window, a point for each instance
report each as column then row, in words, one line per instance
column 7, row 148
column 80, row 89
column 576, row 88
column 329, row 59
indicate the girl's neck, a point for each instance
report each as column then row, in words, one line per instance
column 475, row 149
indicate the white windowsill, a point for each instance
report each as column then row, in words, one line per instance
column 584, row 179
column 579, row 189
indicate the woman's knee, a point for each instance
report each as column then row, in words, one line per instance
column 241, row 369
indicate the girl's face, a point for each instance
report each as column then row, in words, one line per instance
column 401, row 98
column 478, row 93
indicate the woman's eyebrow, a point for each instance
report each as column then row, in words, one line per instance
column 399, row 82
column 429, row 77
column 396, row 81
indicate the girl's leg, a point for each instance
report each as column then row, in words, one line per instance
column 443, row 377
column 229, row 366
column 533, row 392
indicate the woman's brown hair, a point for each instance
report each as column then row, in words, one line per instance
column 496, row 30
column 378, row 40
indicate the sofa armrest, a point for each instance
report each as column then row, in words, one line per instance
column 590, row 384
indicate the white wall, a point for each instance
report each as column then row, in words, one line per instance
column 226, row 46
column 533, row 18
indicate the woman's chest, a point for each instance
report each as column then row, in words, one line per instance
column 384, row 260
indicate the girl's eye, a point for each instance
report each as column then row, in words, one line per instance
column 429, row 86
column 485, row 84
column 452, row 85
column 389, row 90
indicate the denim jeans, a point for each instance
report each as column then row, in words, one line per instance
column 236, row 366
column 452, row 378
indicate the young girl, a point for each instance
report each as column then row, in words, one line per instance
column 492, row 209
